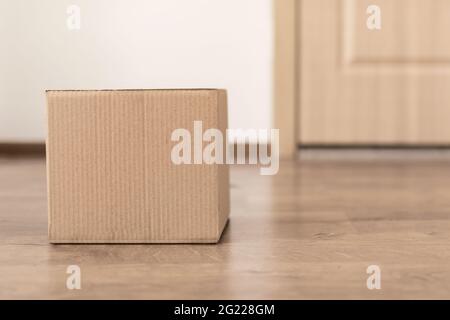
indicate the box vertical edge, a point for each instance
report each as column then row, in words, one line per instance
column 223, row 169
column 47, row 164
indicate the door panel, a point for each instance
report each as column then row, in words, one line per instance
column 361, row 86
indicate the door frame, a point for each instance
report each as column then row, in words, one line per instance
column 286, row 79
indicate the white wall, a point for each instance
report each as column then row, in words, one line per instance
column 133, row 44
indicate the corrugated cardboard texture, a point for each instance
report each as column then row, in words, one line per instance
column 110, row 175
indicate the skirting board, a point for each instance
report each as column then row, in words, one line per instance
column 38, row 149
column 12, row 149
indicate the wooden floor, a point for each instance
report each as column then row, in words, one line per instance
column 309, row 232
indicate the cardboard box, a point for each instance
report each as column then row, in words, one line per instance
column 110, row 174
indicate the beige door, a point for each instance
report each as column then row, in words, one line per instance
column 363, row 86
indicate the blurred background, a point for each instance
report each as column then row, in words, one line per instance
column 352, row 73
column 133, row 44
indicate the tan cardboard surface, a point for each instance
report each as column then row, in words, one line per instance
column 110, row 175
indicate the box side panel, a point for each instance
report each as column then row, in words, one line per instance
column 181, row 199
column 111, row 177
column 223, row 170
column 95, row 165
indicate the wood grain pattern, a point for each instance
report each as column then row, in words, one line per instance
column 360, row 86
column 285, row 74
column 413, row 32
column 309, row 232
